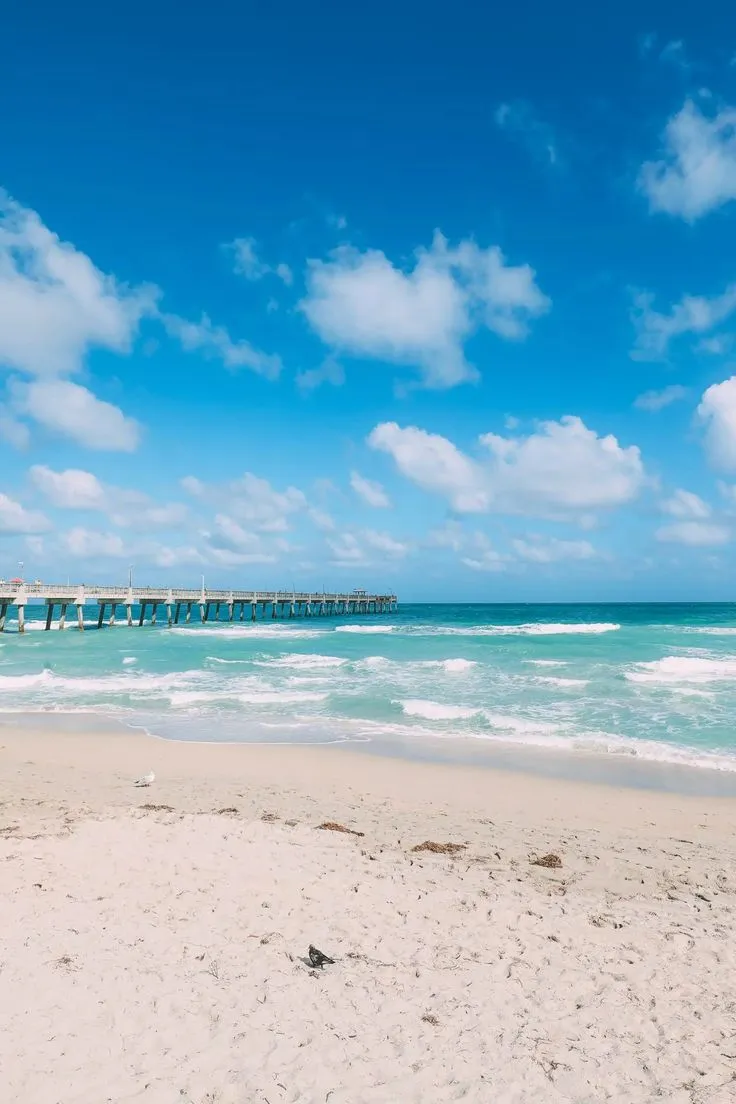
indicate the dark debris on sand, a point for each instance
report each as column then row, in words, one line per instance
column 333, row 826
column 440, row 848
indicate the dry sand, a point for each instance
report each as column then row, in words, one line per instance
column 152, row 941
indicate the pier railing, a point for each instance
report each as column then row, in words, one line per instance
column 235, row 602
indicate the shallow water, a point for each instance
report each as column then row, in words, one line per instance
column 655, row 682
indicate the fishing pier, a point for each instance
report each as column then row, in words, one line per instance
column 175, row 605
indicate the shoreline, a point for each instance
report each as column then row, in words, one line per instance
column 115, row 755
column 612, row 770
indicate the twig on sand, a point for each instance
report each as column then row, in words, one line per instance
column 440, row 848
column 333, row 826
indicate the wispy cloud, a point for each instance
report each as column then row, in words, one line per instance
column 520, row 120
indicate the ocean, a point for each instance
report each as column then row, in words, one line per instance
column 654, row 682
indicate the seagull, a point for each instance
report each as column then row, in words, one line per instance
column 318, row 959
column 145, row 780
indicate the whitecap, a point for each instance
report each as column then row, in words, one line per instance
column 563, row 683
column 300, row 660
column 372, row 629
column 436, row 711
column 678, row 669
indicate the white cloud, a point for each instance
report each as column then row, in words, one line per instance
column 250, row 500
column 685, row 504
column 538, row 138
column 538, row 550
column 350, row 550
column 229, row 544
column 215, row 341
column 74, row 489
column 371, row 493
column 16, row 433
column 383, row 542
column 15, row 519
column 564, row 468
column 655, row 401
column 362, row 304
column 322, row 519
column 488, row 559
column 71, row 489
column 249, row 264
column 347, row 550
column 717, row 411
column 71, row 410
column 55, row 305
column 90, row 543
column 699, row 534
column 694, row 314
column 434, row 463
column 450, row 535
column 696, row 172
column 329, row 371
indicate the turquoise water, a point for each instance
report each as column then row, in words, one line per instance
column 653, row 681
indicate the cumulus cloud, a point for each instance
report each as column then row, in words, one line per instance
column 693, row 314
column 371, row 493
column 73, row 411
column 215, row 341
column 551, row 550
column 685, row 504
column 717, row 412
column 520, row 120
column 69, row 490
column 12, row 430
column 16, row 520
column 654, row 401
column 55, row 305
column 696, row 170
column 350, row 550
column 75, row 489
column 362, row 304
column 89, row 543
column 562, row 469
column 230, row 544
column 698, row 534
column 250, row 500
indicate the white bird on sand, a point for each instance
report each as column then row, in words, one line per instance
column 145, row 780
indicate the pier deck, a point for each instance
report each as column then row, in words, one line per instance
column 211, row 603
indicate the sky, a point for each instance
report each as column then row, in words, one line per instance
column 435, row 299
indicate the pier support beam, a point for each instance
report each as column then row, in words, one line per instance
column 154, row 611
column 62, row 615
column 80, row 615
column 177, row 612
column 142, row 617
column 49, row 615
column 21, row 618
column 169, row 615
column 3, row 615
column 253, row 610
column 101, row 615
column 113, row 609
column 189, row 612
column 129, row 613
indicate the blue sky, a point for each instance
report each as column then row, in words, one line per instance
column 436, row 299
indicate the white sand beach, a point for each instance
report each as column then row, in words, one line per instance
column 153, row 940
